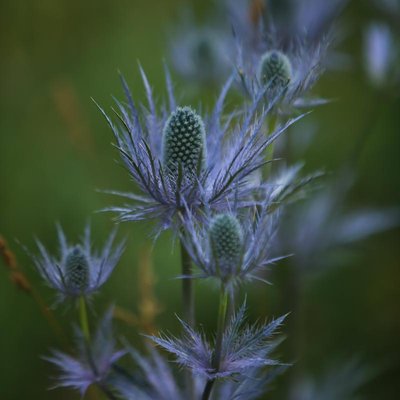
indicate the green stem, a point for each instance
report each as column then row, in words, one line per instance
column 188, row 306
column 187, row 287
column 83, row 318
column 216, row 360
column 270, row 126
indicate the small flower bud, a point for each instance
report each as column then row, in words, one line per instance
column 184, row 140
column 76, row 270
column 275, row 70
column 227, row 241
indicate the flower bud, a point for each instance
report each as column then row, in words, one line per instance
column 76, row 270
column 227, row 241
column 275, row 70
column 184, row 140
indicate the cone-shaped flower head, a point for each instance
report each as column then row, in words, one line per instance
column 226, row 238
column 76, row 270
column 275, row 69
column 184, row 141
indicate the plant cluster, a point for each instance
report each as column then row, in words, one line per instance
column 210, row 178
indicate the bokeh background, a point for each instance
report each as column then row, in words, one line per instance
column 55, row 153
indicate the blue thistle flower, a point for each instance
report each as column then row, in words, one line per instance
column 94, row 361
column 233, row 150
column 240, row 246
column 244, row 347
column 79, row 271
column 301, row 57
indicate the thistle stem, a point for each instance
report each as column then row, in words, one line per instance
column 187, row 287
column 83, row 318
column 270, row 127
column 188, row 305
column 216, row 360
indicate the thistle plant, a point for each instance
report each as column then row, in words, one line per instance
column 193, row 174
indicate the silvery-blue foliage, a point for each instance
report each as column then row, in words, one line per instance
column 78, row 270
column 93, row 362
column 155, row 379
column 244, row 347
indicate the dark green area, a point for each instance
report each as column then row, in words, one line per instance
column 55, row 152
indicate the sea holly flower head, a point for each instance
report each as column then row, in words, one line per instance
column 263, row 49
column 275, row 70
column 235, row 247
column 76, row 270
column 285, row 73
column 93, row 361
column 226, row 240
column 180, row 160
column 184, row 141
column 79, row 270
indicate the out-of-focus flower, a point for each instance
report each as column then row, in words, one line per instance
column 316, row 226
column 229, row 249
column 341, row 381
column 391, row 10
column 380, row 55
column 201, row 55
column 153, row 380
column 79, row 270
column 260, row 35
column 233, row 150
column 94, row 361
column 244, row 347
column 305, row 63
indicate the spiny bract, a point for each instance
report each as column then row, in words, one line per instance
column 275, row 69
column 226, row 241
column 184, row 140
column 76, row 269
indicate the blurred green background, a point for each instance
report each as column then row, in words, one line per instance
column 55, row 152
